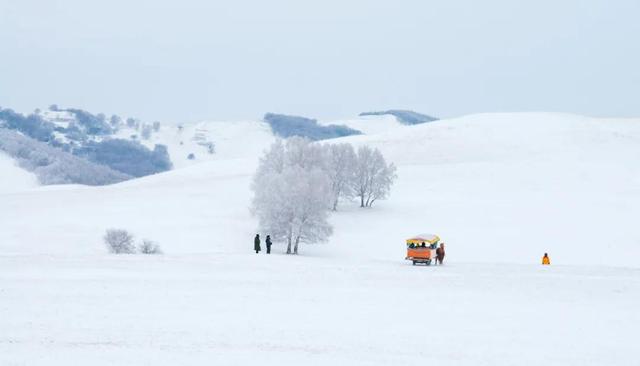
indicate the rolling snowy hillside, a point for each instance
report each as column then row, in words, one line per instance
column 500, row 189
column 14, row 178
column 519, row 184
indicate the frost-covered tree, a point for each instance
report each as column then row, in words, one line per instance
column 115, row 120
column 119, row 241
column 149, row 247
column 340, row 167
column 146, row 131
column 291, row 191
column 299, row 151
column 211, row 147
column 373, row 177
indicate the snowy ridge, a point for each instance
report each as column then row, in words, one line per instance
column 369, row 124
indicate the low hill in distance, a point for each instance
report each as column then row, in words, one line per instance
column 404, row 116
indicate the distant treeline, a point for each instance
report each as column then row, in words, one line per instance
column 287, row 126
column 403, row 116
column 55, row 166
column 126, row 156
column 85, row 144
column 32, row 125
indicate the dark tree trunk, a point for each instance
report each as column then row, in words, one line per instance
column 295, row 248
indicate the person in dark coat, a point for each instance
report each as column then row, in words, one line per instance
column 268, row 241
column 440, row 254
column 256, row 243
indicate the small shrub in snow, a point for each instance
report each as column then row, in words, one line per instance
column 149, row 247
column 211, row 147
column 119, row 241
column 191, row 156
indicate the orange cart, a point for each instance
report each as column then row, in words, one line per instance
column 419, row 253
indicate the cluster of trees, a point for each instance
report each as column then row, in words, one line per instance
column 126, row 156
column 32, row 125
column 55, row 166
column 120, row 241
column 92, row 124
column 288, row 126
column 98, row 125
column 404, row 116
column 298, row 182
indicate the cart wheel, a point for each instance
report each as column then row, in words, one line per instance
column 414, row 263
column 429, row 262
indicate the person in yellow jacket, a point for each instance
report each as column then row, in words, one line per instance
column 545, row 260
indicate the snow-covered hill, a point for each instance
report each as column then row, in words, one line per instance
column 503, row 187
column 14, row 178
column 500, row 189
column 229, row 140
column 369, row 125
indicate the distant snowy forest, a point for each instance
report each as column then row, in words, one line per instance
column 53, row 165
column 75, row 146
column 285, row 126
column 403, row 116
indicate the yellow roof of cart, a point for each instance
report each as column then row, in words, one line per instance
column 426, row 238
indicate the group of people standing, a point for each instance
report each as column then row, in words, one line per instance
column 256, row 244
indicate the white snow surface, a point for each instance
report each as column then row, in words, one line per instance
column 12, row 177
column 368, row 125
column 232, row 139
column 499, row 189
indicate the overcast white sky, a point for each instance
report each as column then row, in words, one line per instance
column 190, row 60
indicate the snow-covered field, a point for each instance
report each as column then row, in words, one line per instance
column 500, row 189
column 241, row 309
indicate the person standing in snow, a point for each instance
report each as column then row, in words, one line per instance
column 440, row 254
column 256, row 243
column 545, row 260
column 268, row 242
